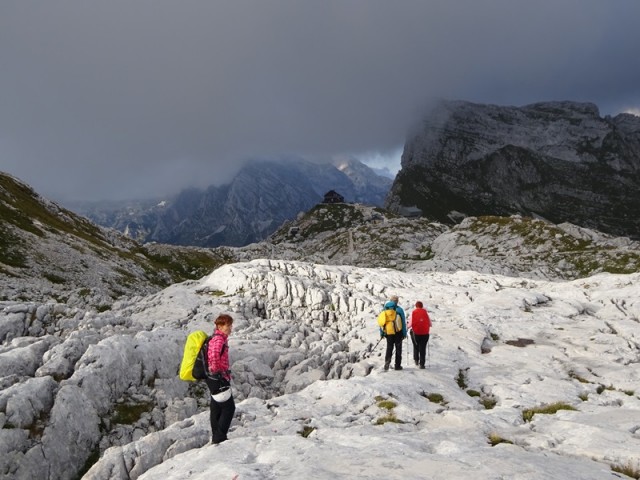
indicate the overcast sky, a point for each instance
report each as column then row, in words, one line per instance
column 123, row 99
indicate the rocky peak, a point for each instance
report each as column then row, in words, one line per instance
column 263, row 195
column 556, row 160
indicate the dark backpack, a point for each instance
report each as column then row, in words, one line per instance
column 201, row 366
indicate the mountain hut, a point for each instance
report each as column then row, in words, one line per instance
column 333, row 197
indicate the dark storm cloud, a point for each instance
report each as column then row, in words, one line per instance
column 120, row 99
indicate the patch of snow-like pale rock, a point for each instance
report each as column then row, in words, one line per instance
column 342, row 414
column 587, row 328
column 302, row 355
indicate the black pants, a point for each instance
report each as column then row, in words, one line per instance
column 419, row 347
column 394, row 341
column 221, row 416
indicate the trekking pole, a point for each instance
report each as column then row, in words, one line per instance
column 371, row 352
column 407, row 339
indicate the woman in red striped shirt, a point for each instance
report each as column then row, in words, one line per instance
column 219, row 382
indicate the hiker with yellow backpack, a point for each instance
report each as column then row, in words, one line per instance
column 393, row 327
column 222, row 406
column 207, row 358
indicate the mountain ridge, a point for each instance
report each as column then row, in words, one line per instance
column 263, row 195
column 51, row 253
column 557, row 160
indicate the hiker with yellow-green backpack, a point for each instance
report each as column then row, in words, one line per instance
column 393, row 327
column 207, row 358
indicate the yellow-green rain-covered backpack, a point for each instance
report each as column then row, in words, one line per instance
column 194, row 353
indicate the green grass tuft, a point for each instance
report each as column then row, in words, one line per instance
column 461, row 379
column 130, row 413
column 55, row 279
column 527, row 415
column 306, row 431
column 434, row 397
column 387, row 404
column 488, row 402
column 495, row 439
column 390, row 418
column 575, row 376
column 628, row 469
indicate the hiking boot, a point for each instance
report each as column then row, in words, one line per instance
column 421, row 367
column 398, row 367
column 417, row 363
column 386, row 366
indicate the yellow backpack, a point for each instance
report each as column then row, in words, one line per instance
column 191, row 349
column 390, row 321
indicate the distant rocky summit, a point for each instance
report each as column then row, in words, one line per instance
column 263, row 195
column 560, row 161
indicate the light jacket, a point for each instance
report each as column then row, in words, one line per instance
column 218, row 354
column 386, row 326
column 420, row 321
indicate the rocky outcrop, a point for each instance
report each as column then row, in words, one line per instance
column 560, row 161
column 50, row 254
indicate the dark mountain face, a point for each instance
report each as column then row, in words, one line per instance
column 560, row 161
column 260, row 198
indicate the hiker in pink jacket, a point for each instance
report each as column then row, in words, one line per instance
column 420, row 325
column 222, row 405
